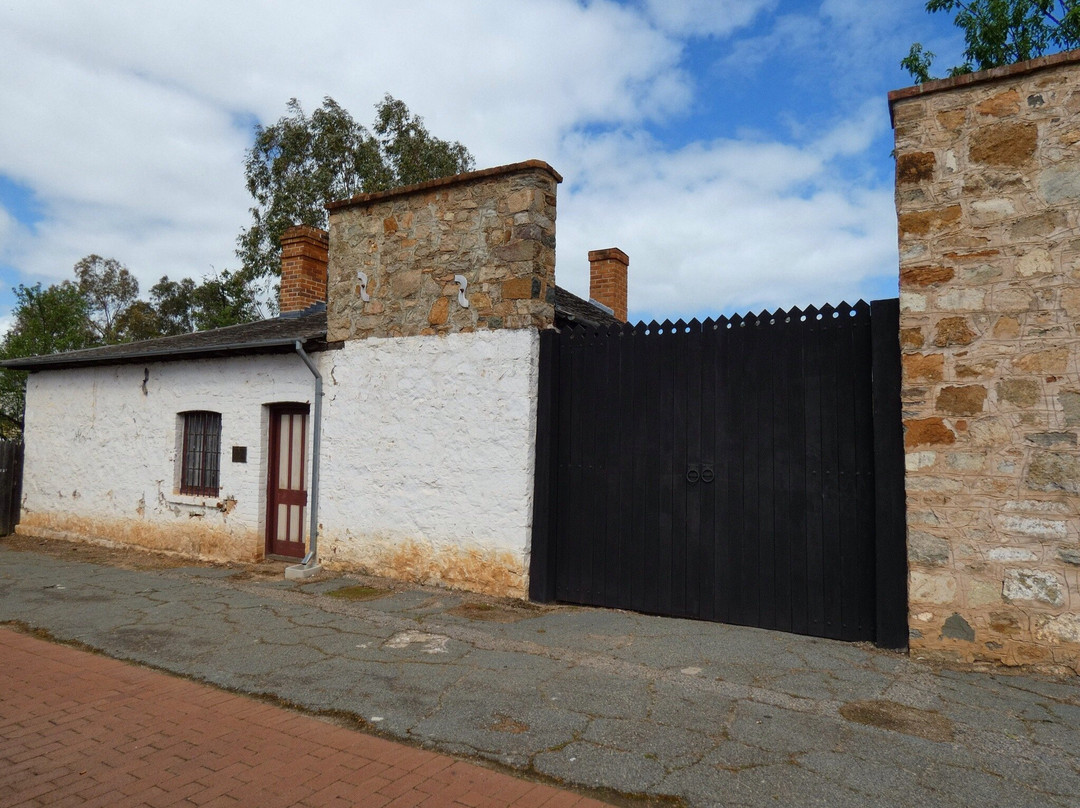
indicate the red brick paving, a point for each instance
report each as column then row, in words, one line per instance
column 81, row 730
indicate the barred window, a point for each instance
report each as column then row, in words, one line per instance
column 201, row 457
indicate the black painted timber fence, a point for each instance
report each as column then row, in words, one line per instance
column 744, row 469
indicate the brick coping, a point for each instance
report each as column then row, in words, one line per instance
column 444, row 182
column 983, row 76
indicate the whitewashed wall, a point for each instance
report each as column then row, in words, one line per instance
column 428, row 453
column 427, row 461
column 101, row 455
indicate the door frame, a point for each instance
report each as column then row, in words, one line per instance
column 273, row 459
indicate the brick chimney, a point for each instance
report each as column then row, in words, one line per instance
column 304, row 254
column 607, row 279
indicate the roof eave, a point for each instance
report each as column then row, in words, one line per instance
column 60, row 362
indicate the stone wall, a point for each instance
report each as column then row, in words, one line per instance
column 496, row 228
column 988, row 201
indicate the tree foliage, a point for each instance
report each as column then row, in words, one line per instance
column 102, row 307
column 46, row 321
column 302, row 162
column 1001, row 32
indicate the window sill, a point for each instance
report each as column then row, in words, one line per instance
column 196, row 500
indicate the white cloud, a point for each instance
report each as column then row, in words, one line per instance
column 121, row 117
column 728, row 225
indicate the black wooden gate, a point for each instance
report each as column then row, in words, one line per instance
column 745, row 470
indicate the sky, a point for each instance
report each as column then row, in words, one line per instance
column 739, row 151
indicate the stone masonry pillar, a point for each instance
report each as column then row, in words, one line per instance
column 988, row 204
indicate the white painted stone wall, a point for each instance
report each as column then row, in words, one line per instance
column 428, row 454
column 427, row 461
column 101, row 455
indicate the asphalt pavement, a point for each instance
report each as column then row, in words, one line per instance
column 643, row 706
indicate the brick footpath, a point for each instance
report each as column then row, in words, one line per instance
column 77, row 729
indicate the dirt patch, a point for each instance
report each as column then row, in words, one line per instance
column 890, row 715
column 495, row 612
column 125, row 557
column 507, row 724
column 261, row 572
column 359, row 592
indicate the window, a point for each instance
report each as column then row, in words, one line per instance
column 201, row 456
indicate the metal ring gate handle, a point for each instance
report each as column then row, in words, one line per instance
column 692, row 475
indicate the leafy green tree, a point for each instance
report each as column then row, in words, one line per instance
column 1001, row 32
column 302, row 162
column 109, row 289
column 103, row 308
column 46, row 321
column 224, row 298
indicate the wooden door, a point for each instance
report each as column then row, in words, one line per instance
column 286, row 487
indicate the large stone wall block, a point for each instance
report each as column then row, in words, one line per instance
column 1004, row 145
column 1060, row 183
column 1054, row 471
column 1039, row 586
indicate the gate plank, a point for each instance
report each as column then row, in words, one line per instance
column 864, row 494
column 641, row 509
column 798, row 506
column 890, row 516
column 545, row 506
column 699, row 440
column 750, row 358
column 667, row 489
column 765, row 386
column 784, row 349
column 845, row 562
column 815, row 583
column 568, row 555
column 682, row 495
column 654, row 472
column 612, row 414
column 830, row 473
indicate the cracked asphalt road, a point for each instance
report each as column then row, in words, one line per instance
column 711, row 714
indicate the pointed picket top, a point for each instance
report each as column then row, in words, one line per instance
column 639, row 328
column 613, row 329
column 862, row 307
column 694, row 326
column 653, row 328
column 794, row 315
column 680, row 326
column 667, row 327
column 710, row 324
